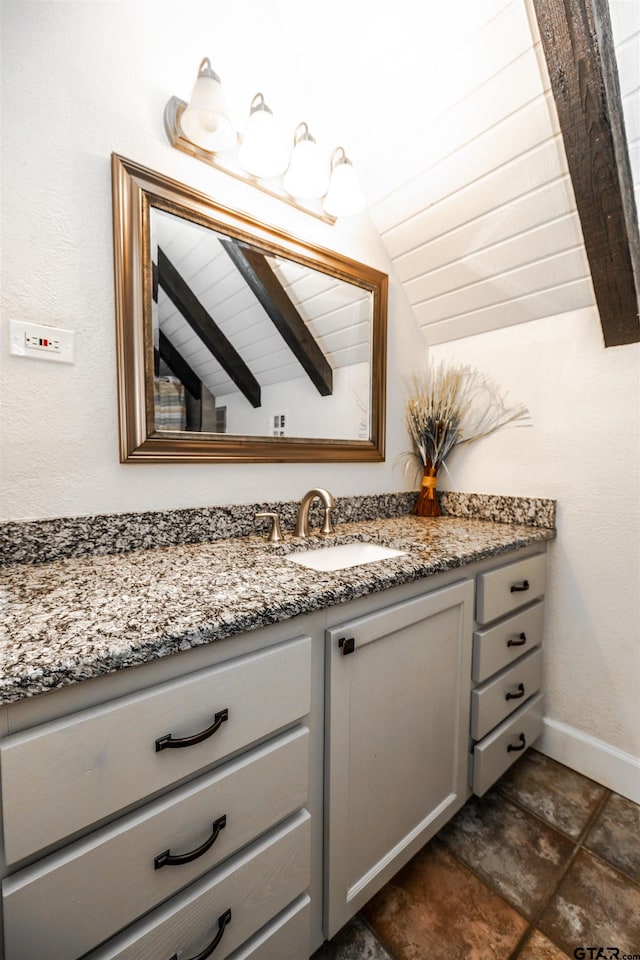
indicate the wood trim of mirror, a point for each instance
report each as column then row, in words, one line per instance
column 135, row 191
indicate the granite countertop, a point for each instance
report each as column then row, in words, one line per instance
column 77, row 618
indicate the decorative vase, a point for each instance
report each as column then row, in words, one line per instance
column 427, row 504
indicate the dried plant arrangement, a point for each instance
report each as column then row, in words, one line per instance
column 448, row 406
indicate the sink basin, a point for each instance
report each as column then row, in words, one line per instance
column 343, row 555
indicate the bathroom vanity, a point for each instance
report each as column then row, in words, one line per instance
column 251, row 794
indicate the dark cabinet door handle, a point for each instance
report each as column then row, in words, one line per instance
column 520, row 642
column 520, row 746
column 347, row 645
column 167, row 859
column 162, row 743
column 518, row 695
column 222, row 923
column 520, row 587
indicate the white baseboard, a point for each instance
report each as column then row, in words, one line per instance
column 592, row 758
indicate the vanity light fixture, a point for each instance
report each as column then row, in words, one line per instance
column 262, row 151
column 306, row 177
column 203, row 129
column 205, row 121
column 344, row 196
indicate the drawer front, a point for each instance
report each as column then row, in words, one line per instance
column 255, row 886
column 79, row 770
column 287, row 938
column 492, row 756
column 498, row 646
column 109, row 879
column 506, row 588
column 498, row 698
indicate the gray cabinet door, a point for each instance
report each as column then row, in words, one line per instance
column 397, row 739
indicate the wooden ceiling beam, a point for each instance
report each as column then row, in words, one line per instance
column 578, row 47
column 282, row 312
column 184, row 299
column 179, row 366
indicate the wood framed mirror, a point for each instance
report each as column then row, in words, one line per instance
column 235, row 341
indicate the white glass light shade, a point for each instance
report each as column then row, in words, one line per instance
column 344, row 197
column 204, row 121
column 263, row 152
column 307, row 177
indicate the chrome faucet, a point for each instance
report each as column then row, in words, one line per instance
column 302, row 523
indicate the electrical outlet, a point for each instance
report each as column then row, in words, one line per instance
column 40, row 342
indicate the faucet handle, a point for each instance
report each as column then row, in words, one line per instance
column 275, row 534
column 327, row 526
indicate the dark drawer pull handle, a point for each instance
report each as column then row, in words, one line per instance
column 518, row 695
column 520, row 642
column 168, row 741
column 222, row 923
column 521, row 745
column 166, row 859
column 520, row 587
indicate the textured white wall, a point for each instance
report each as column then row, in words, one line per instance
column 583, row 449
column 81, row 80
column 305, row 417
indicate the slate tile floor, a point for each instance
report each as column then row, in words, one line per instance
column 545, row 863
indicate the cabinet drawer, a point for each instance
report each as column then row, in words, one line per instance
column 255, row 886
column 498, row 698
column 491, row 757
column 504, row 589
column 62, row 777
column 286, row 938
column 497, row 646
column 109, row 879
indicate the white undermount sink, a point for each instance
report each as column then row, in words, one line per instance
column 343, row 555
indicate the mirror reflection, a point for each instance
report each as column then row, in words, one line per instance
column 238, row 342
column 254, row 344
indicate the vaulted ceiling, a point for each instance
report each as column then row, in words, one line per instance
column 487, row 233
column 497, row 165
column 454, row 128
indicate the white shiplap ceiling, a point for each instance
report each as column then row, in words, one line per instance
column 625, row 23
column 487, row 234
column 448, row 113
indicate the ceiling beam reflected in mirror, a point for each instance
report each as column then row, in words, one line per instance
column 207, row 329
column 178, row 366
column 281, row 311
